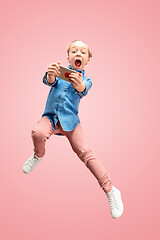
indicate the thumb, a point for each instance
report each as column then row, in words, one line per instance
column 58, row 65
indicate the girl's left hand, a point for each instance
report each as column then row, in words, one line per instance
column 77, row 81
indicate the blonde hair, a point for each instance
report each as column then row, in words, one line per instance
column 69, row 46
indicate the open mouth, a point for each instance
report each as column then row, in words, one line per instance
column 78, row 63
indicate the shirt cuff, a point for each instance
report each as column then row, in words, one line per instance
column 81, row 93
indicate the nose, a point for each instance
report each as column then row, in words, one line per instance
column 78, row 53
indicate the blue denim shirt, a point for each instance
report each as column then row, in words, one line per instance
column 63, row 102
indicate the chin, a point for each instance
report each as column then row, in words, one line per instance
column 78, row 68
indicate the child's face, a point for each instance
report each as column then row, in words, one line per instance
column 78, row 55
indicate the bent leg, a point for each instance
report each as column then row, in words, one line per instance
column 40, row 133
column 83, row 151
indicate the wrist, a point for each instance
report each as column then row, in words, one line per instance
column 50, row 78
column 81, row 88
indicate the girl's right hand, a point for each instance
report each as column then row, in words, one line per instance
column 54, row 70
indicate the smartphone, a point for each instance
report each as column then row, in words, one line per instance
column 64, row 73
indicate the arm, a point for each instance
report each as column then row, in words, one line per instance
column 53, row 72
column 45, row 81
column 88, row 84
column 81, row 84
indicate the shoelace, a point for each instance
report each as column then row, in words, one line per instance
column 33, row 161
column 112, row 200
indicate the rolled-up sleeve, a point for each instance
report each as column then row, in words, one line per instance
column 88, row 84
column 46, row 82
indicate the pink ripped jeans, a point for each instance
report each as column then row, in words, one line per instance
column 43, row 130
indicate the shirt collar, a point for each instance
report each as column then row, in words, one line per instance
column 80, row 71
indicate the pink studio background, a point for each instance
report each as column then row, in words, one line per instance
column 120, row 115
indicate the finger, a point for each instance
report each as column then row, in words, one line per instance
column 56, row 65
column 54, row 70
column 51, row 69
column 57, row 74
column 74, row 85
column 51, row 74
column 73, row 81
column 77, row 78
column 74, row 74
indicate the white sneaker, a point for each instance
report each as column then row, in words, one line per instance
column 115, row 202
column 31, row 163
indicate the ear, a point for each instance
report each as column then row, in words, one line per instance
column 68, row 59
column 88, row 61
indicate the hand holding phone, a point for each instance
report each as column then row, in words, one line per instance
column 65, row 72
column 54, row 69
